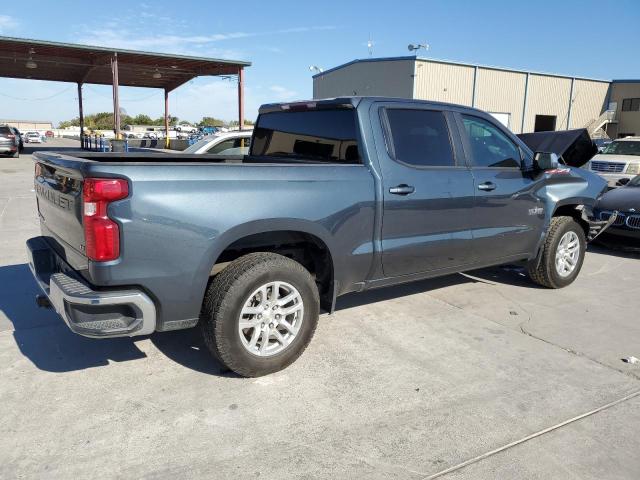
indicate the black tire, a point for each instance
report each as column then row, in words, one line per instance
column 543, row 269
column 225, row 297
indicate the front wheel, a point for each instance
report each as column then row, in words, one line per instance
column 562, row 254
column 260, row 313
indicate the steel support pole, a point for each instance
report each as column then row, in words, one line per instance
column 116, row 100
column 524, row 103
column 240, row 99
column 474, row 93
column 81, row 115
column 573, row 81
column 166, row 119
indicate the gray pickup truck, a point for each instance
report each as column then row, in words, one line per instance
column 336, row 196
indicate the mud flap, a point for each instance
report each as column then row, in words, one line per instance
column 596, row 227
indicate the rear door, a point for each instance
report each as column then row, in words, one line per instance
column 427, row 192
column 508, row 217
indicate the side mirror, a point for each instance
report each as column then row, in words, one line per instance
column 545, row 161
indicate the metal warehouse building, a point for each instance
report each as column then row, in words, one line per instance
column 523, row 101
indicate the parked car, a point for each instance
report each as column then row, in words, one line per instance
column 625, row 230
column 186, row 128
column 618, row 162
column 208, row 129
column 231, row 143
column 32, row 137
column 18, row 135
column 601, row 143
column 21, row 137
column 9, row 141
column 335, row 196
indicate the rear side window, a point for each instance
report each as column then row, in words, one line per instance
column 489, row 146
column 317, row 135
column 420, row 137
column 5, row 130
column 224, row 145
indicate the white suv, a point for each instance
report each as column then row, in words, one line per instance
column 619, row 162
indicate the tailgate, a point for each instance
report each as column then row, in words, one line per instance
column 59, row 199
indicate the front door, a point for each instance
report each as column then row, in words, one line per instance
column 507, row 215
column 427, row 191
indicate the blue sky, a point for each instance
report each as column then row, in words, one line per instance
column 282, row 38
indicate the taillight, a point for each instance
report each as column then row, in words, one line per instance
column 11, row 135
column 101, row 234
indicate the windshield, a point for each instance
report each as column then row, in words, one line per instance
column 198, row 145
column 622, row 148
column 635, row 181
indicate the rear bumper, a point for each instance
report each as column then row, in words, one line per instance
column 89, row 312
column 8, row 148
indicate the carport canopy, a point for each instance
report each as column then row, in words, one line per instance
column 80, row 64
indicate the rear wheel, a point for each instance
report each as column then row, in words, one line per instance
column 260, row 313
column 560, row 260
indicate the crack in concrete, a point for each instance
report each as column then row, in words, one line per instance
column 537, row 434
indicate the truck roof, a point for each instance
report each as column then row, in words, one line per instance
column 351, row 102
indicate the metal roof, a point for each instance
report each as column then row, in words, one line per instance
column 67, row 62
column 450, row 62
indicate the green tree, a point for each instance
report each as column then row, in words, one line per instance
column 234, row 123
column 74, row 122
column 211, row 121
column 173, row 121
column 141, row 119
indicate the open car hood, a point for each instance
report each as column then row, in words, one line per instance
column 574, row 146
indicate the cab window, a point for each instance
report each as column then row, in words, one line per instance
column 490, row 147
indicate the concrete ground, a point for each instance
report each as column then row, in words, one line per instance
column 406, row 382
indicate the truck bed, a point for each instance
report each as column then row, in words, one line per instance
column 182, row 158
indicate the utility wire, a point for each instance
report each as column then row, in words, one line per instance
column 36, row 99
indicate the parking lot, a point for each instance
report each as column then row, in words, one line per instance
column 451, row 376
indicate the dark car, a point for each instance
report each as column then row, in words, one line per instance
column 625, row 231
column 18, row 135
column 10, row 141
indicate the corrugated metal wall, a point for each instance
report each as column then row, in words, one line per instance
column 443, row 82
column 588, row 102
column 628, row 122
column 501, row 91
column 547, row 96
column 497, row 90
column 393, row 78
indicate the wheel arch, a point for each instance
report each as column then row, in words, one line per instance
column 301, row 240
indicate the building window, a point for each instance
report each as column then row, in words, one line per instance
column 631, row 104
column 545, row 123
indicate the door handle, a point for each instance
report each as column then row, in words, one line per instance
column 487, row 186
column 402, row 189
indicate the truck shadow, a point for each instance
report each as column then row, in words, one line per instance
column 46, row 341
column 368, row 297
